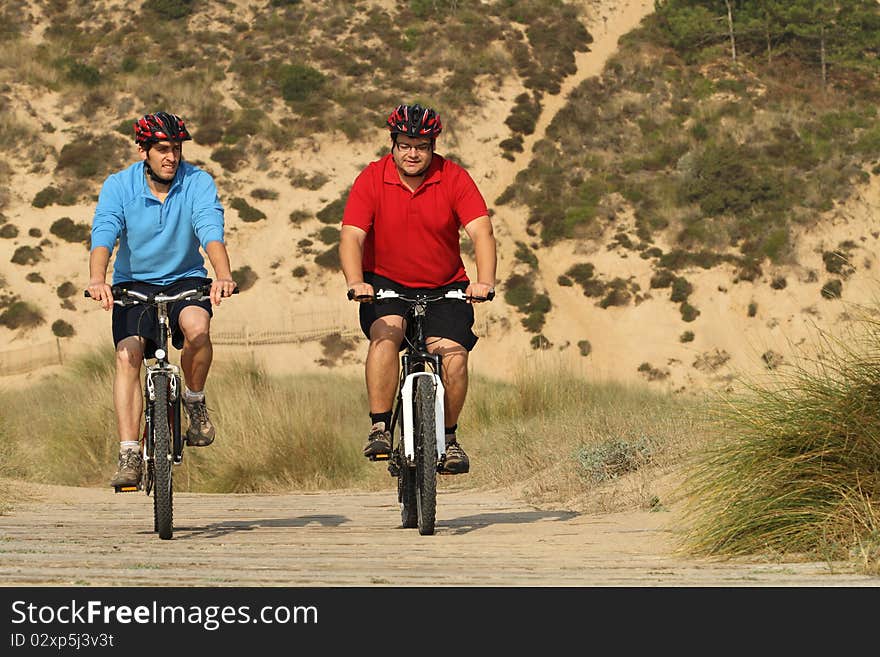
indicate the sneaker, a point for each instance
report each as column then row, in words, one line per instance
column 200, row 432
column 129, row 471
column 379, row 442
column 455, row 461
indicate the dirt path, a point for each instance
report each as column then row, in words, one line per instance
column 92, row 537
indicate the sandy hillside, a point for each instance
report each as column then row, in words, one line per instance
column 639, row 342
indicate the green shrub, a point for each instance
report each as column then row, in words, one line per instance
column 540, row 342
column 564, row 281
column 524, row 254
column 246, row 211
column 329, row 235
column 581, row 272
column 230, row 158
column 71, row 231
column 524, row 115
column 21, row 314
column 329, row 259
column 534, row 321
column 681, row 289
column 298, row 82
column 612, row 458
column 299, row 271
column 66, row 289
column 662, row 278
column 332, row 212
column 299, row 216
column 8, row 231
column 585, row 347
column 27, row 255
column 169, row 9
column 687, row 336
column 264, row 194
column 244, row 277
column 688, row 312
column 62, row 329
column 519, row 291
column 91, row 156
column 752, row 309
column 46, row 197
column 305, row 181
column 82, row 73
column 833, row 289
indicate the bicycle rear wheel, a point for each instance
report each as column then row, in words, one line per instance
column 163, row 492
column 425, row 435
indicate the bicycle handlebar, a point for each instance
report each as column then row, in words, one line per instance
column 382, row 295
column 123, row 296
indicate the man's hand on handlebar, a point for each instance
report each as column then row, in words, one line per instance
column 361, row 292
column 222, row 287
column 101, row 292
column 479, row 292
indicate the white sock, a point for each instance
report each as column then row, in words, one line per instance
column 125, row 445
column 193, row 396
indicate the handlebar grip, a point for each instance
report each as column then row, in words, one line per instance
column 359, row 297
column 86, row 294
column 491, row 295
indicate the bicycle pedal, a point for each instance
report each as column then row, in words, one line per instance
column 379, row 457
column 126, row 489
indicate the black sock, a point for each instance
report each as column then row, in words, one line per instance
column 450, row 431
column 382, row 417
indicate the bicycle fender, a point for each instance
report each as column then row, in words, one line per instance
column 407, row 398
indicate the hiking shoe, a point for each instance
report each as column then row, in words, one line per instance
column 455, row 461
column 379, row 442
column 200, row 432
column 129, row 471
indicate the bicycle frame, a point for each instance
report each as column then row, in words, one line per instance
column 162, row 366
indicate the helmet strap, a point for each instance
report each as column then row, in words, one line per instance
column 156, row 178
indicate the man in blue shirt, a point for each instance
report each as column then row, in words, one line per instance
column 161, row 210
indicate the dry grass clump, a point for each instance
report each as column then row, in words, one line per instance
column 798, row 468
column 562, row 438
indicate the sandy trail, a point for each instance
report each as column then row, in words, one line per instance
column 92, row 537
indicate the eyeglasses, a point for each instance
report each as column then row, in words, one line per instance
column 421, row 148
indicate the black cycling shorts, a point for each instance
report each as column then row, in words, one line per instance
column 142, row 320
column 450, row 318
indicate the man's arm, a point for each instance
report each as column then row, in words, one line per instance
column 351, row 255
column 481, row 233
column 99, row 259
column 223, row 284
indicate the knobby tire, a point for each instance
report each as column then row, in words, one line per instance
column 407, row 492
column 162, row 491
column 425, row 436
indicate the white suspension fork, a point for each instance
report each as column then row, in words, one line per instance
column 439, row 421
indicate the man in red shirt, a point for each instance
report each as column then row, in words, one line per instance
column 400, row 231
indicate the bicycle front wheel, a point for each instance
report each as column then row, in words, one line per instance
column 163, row 492
column 424, row 429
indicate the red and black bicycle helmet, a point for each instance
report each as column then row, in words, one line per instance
column 160, row 126
column 414, row 121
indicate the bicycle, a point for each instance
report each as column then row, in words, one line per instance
column 418, row 412
column 161, row 441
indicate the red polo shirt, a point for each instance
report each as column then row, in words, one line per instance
column 413, row 237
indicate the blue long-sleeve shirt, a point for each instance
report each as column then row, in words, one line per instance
column 158, row 242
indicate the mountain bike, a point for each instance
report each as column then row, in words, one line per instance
column 161, row 442
column 418, row 412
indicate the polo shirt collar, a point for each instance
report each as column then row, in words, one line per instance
column 434, row 175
